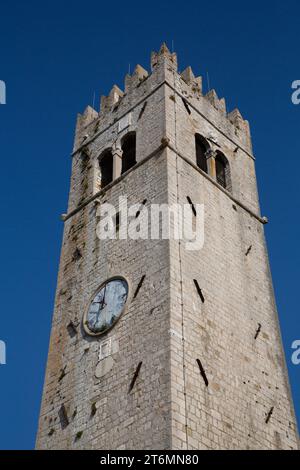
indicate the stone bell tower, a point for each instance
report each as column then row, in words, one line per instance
column 154, row 346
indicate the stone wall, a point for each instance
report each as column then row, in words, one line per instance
column 213, row 374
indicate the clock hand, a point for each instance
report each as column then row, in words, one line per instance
column 103, row 300
column 101, row 304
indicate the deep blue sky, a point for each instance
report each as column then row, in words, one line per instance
column 53, row 56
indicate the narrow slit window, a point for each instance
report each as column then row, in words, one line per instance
column 202, row 372
column 257, row 331
column 248, row 250
column 142, row 110
column 269, row 415
column 186, row 105
column 135, row 376
column 200, row 293
column 138, row 212
column 192, row 205
column 139, row 286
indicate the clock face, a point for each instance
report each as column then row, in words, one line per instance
column 107, row 306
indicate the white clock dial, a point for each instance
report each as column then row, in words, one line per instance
column 107, row 306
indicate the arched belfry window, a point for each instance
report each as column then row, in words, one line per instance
column 128, row 144
column 223, row 171
column 201, row 149
column 106, row 167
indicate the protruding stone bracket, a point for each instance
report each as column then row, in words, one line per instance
column 72, row 329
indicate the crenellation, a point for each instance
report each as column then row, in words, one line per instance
column 83, row 122
column 202, row 378
column 164, row 56
column 109, row 102
column 187, row 75
column 212, row 97
column 139, row 75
